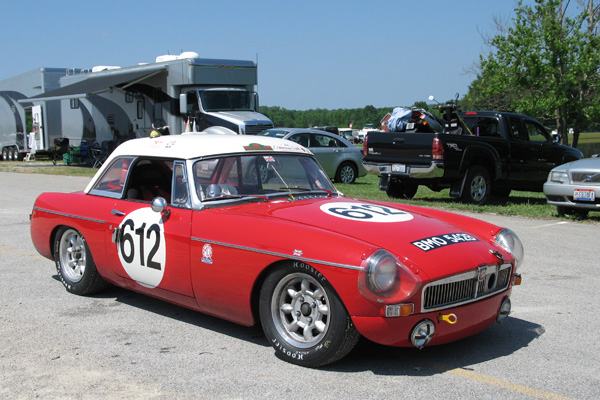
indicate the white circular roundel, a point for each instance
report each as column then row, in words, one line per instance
column 365, row 212
column 142, row 248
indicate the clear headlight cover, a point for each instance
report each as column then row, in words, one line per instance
column 510, row 242
column 559, row 176
column 384, row 278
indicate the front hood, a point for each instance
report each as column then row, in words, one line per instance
column 431, row 241
column 238, row 117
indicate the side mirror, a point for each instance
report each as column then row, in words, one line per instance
column 183, row 104
column 159, row 205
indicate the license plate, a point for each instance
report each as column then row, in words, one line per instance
column 584, row 195
column 399, row 168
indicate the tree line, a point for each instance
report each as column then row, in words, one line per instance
column 341, row 118
column 544, row 63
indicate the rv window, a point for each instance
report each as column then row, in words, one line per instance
column 74, row 104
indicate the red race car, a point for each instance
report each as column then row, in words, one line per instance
column 251, row 229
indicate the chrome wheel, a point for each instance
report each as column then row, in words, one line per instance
column 478, row 185
column 346, row 173
column 72, row 255
column 478, row 188
column 300, row 310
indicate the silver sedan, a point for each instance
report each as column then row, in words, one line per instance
column 341, row 159
column 574, row 188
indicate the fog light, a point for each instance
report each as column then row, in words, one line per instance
column 422, row 333
column 504, row 310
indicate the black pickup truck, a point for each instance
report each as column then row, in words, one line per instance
column 476, row 154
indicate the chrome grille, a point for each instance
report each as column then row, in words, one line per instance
column 466, row 287
column 256, row 129
column 583, row 176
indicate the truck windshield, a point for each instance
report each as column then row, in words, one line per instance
column 227, row 100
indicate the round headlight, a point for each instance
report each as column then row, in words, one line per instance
column 382, row 272
column 510, row 242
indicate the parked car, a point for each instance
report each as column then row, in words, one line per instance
column 339, row 157
column 188, row 219
column 574, row 188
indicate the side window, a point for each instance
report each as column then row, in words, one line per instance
column 517, row 129
column 192, row 102
column 180, row 184
column 323, row 141
column 486, row 126
column 112, row 182
column 301, row 139
column 150, row 178
column 535, row 132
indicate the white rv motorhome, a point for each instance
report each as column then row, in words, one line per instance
column 108, row 105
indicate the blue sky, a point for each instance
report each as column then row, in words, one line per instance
column 311, row 54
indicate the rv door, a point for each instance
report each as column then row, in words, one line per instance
column 35, row 132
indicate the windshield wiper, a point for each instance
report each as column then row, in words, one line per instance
column 236, row 196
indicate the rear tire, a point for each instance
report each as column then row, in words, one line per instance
column 303, row 318
column 74, row 263
column 402, row 190
column 477, row 186
column 346, row 173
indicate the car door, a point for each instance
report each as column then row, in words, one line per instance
column 522, row 164
column 545, row 153
column 327, row 151
column 144, row 246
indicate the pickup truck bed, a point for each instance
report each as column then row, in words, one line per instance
column 489, row 153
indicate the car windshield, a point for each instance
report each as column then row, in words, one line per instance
column 274, row 133
column 261, row 176
column 227, row 100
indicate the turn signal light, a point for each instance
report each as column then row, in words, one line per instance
column 399, row 310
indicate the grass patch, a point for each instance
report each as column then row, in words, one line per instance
column 522, row 204
column 45, row 166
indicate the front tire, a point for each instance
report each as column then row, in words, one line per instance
column 477, row 186
column 303, row 318
column 74, row 263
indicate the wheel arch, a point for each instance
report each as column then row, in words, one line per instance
column 260, row 279
column 486, row 157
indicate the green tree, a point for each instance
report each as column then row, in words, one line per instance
column 545, row 65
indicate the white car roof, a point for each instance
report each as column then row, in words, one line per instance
column 188, row 146
column 194, row 145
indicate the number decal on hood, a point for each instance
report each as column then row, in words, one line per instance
column 366, row 212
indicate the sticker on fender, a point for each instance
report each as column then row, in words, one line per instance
column 365, row 212
column 435, row 242
column 142, row 248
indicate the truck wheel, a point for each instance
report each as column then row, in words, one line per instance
column 5, row 154
column 402, row 190
column 11, row 154
column 303, row 318
column 477, row 186
column 562, row 211
column 74, row 263
column 346, row 173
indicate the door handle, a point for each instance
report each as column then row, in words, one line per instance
column 118, row 213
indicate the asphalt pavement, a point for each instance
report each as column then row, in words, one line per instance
column 119, row 344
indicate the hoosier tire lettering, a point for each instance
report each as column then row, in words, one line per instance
column 303, row 318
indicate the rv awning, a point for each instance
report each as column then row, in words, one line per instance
column 98, row 82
